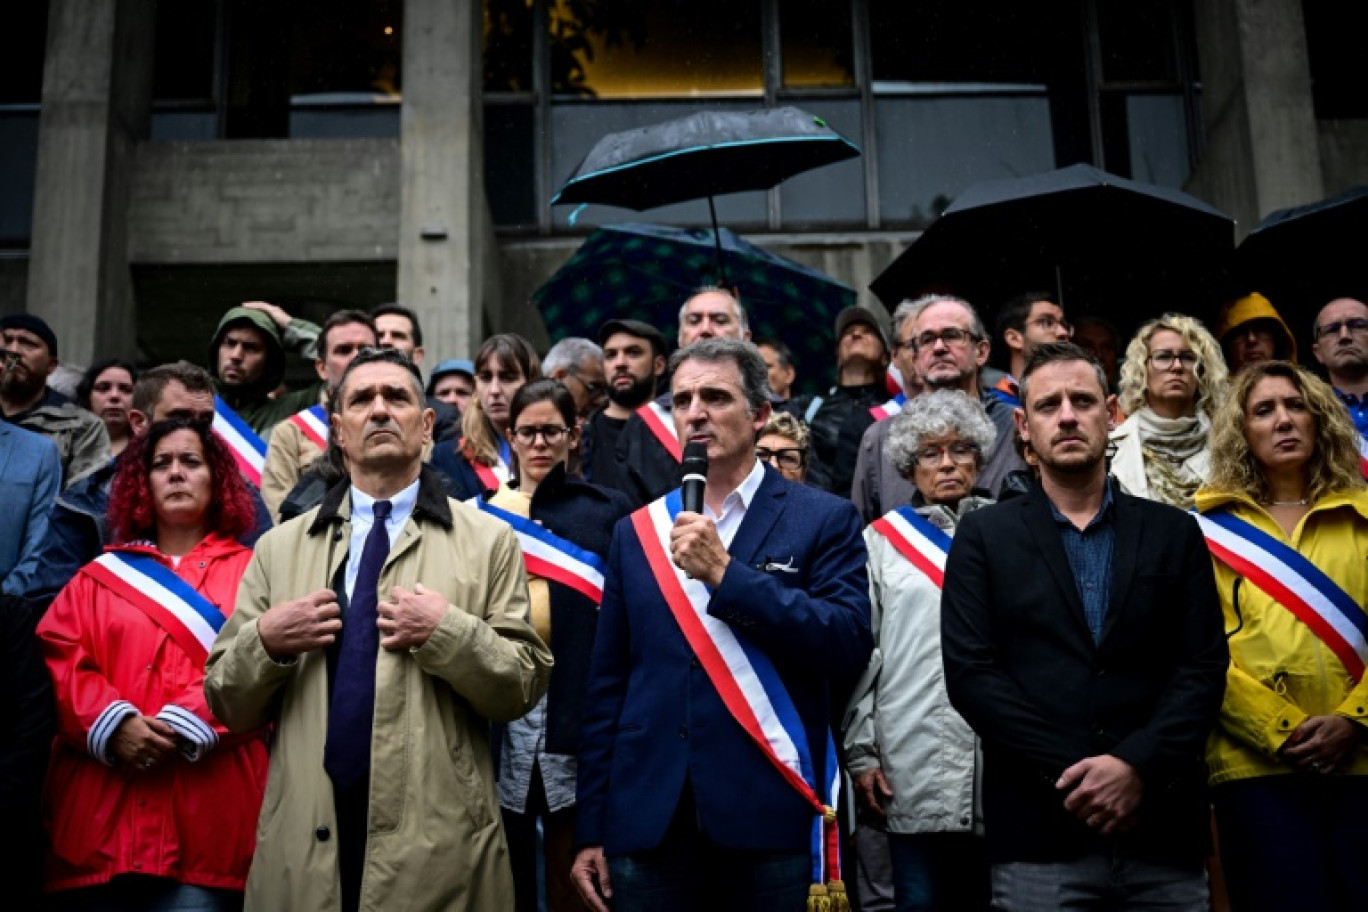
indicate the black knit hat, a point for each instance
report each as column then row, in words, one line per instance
column 34, row 324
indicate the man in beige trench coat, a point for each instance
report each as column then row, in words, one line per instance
column 402, row 817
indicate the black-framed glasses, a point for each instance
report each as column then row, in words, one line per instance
column 551, row 433
column 791, row 458
column 951, row 337
column 1356, row 327
column 962, row 453
column 1164, row 359
column 1050, row 323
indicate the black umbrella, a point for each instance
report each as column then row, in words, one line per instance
column 1099, row 241
column 1302, row 257
column 703, row 155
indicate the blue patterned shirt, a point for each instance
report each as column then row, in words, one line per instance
column 1358, row 410
column 1090, row 558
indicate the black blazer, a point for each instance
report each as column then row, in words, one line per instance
column 1021, row 666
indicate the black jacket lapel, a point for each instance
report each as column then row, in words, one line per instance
column 761, row 515
column 1044, row 530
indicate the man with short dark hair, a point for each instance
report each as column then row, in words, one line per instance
column 378, row 635
column 633, row 363
column 298, row 440
column 398, row 327
column 76, row 531
column 683, row 796
column 1341, row 334
column 1026, row 321
column 30, row 356
column 1082, row 640
column 779, row 362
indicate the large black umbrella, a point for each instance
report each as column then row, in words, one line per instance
column 645, row 272
column 1302, row 257
column 703, row 155
column 1102, row 242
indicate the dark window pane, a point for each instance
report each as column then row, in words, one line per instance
column 18, row 171
column 1334, row 44
column 1137, row 42
column 22, row 40
column 183, row 62
column 1144, row 136
column 817, row 44
column 631, row 49
column 956, row 41
column 508, row 45
column 510, row 177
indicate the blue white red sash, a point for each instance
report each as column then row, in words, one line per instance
column 247, row 448
column 745, row 679
column 1293, row 582
column 661, row 423
column 893, row 380
column 890, row 408
column 313, row 424
column 499, row 473
column 551, row 557
column 916, row 539
column 1363, row 454
column 1006, row 389
column 173, row 604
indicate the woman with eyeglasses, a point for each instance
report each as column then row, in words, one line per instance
column 1286, row 518
column 914, row 760
column 1171, row 382
column 564, row 525
column 784, row 445
column 481, row 460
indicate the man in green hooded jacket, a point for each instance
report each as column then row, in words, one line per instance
column 247, row 361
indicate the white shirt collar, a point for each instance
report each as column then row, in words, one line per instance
column 402, row 504
column 745, row 492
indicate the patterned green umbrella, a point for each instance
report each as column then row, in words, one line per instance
column 645, row 272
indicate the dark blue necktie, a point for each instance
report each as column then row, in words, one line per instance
column 346, row 755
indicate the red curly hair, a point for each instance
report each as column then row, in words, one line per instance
column 131, row 518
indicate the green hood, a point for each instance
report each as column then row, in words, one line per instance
column 275, row 351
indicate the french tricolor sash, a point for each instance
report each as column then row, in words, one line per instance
column 916, row 539
column 499, row 473
column 1293, row 582
column 313, row 424
column 247, row 448
column 1363, row 454
column 1006, row 389
column 173, row 604
column 662, row 428
column 551, row 557
column 745, row 679
column 890, row 408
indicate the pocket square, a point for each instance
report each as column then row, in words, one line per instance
column 770, row 566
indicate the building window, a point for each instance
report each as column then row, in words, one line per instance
column 22, row 40
column 1334, row 38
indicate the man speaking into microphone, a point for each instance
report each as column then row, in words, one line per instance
column 706, row 767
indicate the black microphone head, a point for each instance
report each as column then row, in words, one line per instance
column 695, row 458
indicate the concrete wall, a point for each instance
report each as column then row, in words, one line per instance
column 265, row 201
column 13, row 284
column 1344, row 153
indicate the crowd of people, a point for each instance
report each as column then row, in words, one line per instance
column 1038, row 619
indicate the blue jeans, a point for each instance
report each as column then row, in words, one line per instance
column 938, row 871
column 1105, row 880
column 1294, row 842
column 135, row 893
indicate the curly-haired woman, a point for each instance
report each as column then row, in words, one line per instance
column 1286, row 517
column 1171, row 381
column 150, row 802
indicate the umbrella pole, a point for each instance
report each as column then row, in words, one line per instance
column 1059, row 286
column 717, row 242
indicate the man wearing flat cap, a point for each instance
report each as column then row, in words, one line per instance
column 30, row 348
column 838, row 423
column 633, row 362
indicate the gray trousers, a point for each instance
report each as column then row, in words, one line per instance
column 1107, row 880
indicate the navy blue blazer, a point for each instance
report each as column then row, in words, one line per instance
column 653, row 720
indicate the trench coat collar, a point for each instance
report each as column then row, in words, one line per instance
column 432, row 502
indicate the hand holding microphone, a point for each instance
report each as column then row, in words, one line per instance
column 694, row 544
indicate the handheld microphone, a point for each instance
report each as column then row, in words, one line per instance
column 693, row 472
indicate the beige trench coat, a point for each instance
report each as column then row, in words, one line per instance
column 435, row 841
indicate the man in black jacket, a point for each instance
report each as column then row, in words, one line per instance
column 1082, row 640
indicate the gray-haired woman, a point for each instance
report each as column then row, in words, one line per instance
column 914, row 760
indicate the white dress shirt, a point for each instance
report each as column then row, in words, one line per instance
column 363, row 517
column 735, row 505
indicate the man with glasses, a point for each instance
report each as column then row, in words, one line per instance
column 578, row 364
column 1341, row 334
column 1026, row 321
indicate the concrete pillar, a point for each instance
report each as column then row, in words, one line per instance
column 97, row 88
column 1262, row 151
column 446, row 238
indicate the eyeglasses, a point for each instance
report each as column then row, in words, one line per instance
column 597, row 390
column 1356, row 327
column 931, row 457
column 1050, row 324
column 1164, row 360
column 551, row 433
column 791, row 458
column 951, row 336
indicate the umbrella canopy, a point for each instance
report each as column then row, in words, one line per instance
column 645, row 272
column 1303, row 257
column 703, row 155
column 1103, row 242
